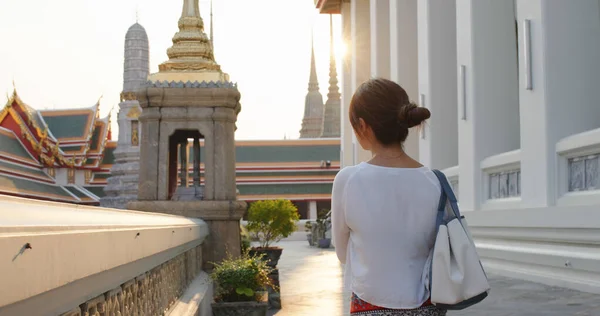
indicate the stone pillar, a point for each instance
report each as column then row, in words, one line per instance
column 172, row 161
column 196, row 145
column 563, row 97
column 360, row 59
column 438, row 144
column 380, row 38
column 183, row 162
column 148, row 186
column 224, row 157
column 404, row 58
column 312, row 210
column 488, row 101
column 346, row 146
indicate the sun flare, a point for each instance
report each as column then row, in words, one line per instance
column 340, row 50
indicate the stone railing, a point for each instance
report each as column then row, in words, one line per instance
column 578, row 167
column 502, row 180
column 61, row 259
column 452, row 176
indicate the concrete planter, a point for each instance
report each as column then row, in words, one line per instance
column 240, row 309
column 324, row 243
column 271, row 255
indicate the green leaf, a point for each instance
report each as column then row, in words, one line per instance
column 244, row 291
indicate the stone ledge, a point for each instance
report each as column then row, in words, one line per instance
column 61, row 235
column 197, row 298
column 206, row 210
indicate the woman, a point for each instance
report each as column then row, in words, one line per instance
column 383, row 211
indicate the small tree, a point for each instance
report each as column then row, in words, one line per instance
column 272, row 220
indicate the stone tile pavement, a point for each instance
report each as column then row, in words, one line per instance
column 311, row 283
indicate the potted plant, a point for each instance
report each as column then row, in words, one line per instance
column 240, row 286
column 323, row 224
column 308, row 230
column 270, row 221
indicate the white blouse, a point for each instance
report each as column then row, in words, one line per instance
column 383, row 227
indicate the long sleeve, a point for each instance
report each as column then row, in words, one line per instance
column 340, row 229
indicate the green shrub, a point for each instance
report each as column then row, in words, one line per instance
column 245, row 239
column 238, row 280
column 272, row 220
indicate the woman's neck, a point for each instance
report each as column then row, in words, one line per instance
column 392, row 156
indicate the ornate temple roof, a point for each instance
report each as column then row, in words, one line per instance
column 34, row 144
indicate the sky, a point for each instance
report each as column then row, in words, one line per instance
column 69, row 53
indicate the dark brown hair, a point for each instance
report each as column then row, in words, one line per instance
column 385, row 107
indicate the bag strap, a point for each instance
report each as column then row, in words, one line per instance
column 446, row 196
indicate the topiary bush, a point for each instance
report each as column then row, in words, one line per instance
column 272, row 220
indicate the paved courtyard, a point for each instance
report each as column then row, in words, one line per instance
column 311, row 284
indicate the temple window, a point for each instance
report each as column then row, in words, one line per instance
column 135, row 133
column 71, row 176
column 179, row 151
column 52, row 172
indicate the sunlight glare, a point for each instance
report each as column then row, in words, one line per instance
column 340, row 50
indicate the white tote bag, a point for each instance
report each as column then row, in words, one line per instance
column 454, row 275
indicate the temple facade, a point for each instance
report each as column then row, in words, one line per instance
column 513, row 90
column 301, row 170
column 43, row 157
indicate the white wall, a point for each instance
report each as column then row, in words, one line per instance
column 438, row 146
column 360, row 59
column 564, row 99
column 404, row 58
column 486, row 46
column 346, row 84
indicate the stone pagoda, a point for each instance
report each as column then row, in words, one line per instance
column 190, row 98
column 122, row 186
column 312, row 122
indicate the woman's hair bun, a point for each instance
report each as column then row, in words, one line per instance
column 412, row 115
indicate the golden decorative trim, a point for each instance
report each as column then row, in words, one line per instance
column 134, row 112
column 128, row 96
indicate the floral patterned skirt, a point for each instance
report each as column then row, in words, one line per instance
column 360, row 307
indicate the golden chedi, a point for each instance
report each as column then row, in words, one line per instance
column 191, row 58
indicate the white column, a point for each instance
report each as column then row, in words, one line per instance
column 361, row 58
column 380, row 38
column 312, row 210
column 404, row 57
column 438, row 144
column 489, row 102
column 564, row 97
column 347, row 150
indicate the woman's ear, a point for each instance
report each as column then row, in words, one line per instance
column 363, row 126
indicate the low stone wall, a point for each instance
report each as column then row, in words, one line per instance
column 152, row 293
column 63, row 259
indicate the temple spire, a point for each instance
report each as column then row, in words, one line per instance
column 191, row 8
column 211, row 26
column 331, row 120
column 334, row 91
column 313, row 82
column 312, row 122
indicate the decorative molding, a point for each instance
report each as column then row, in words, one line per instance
column 584, row 173
column 152, row 293
column 128, row 96
column 134, row 112
column 504, row 184
column 189, row 84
